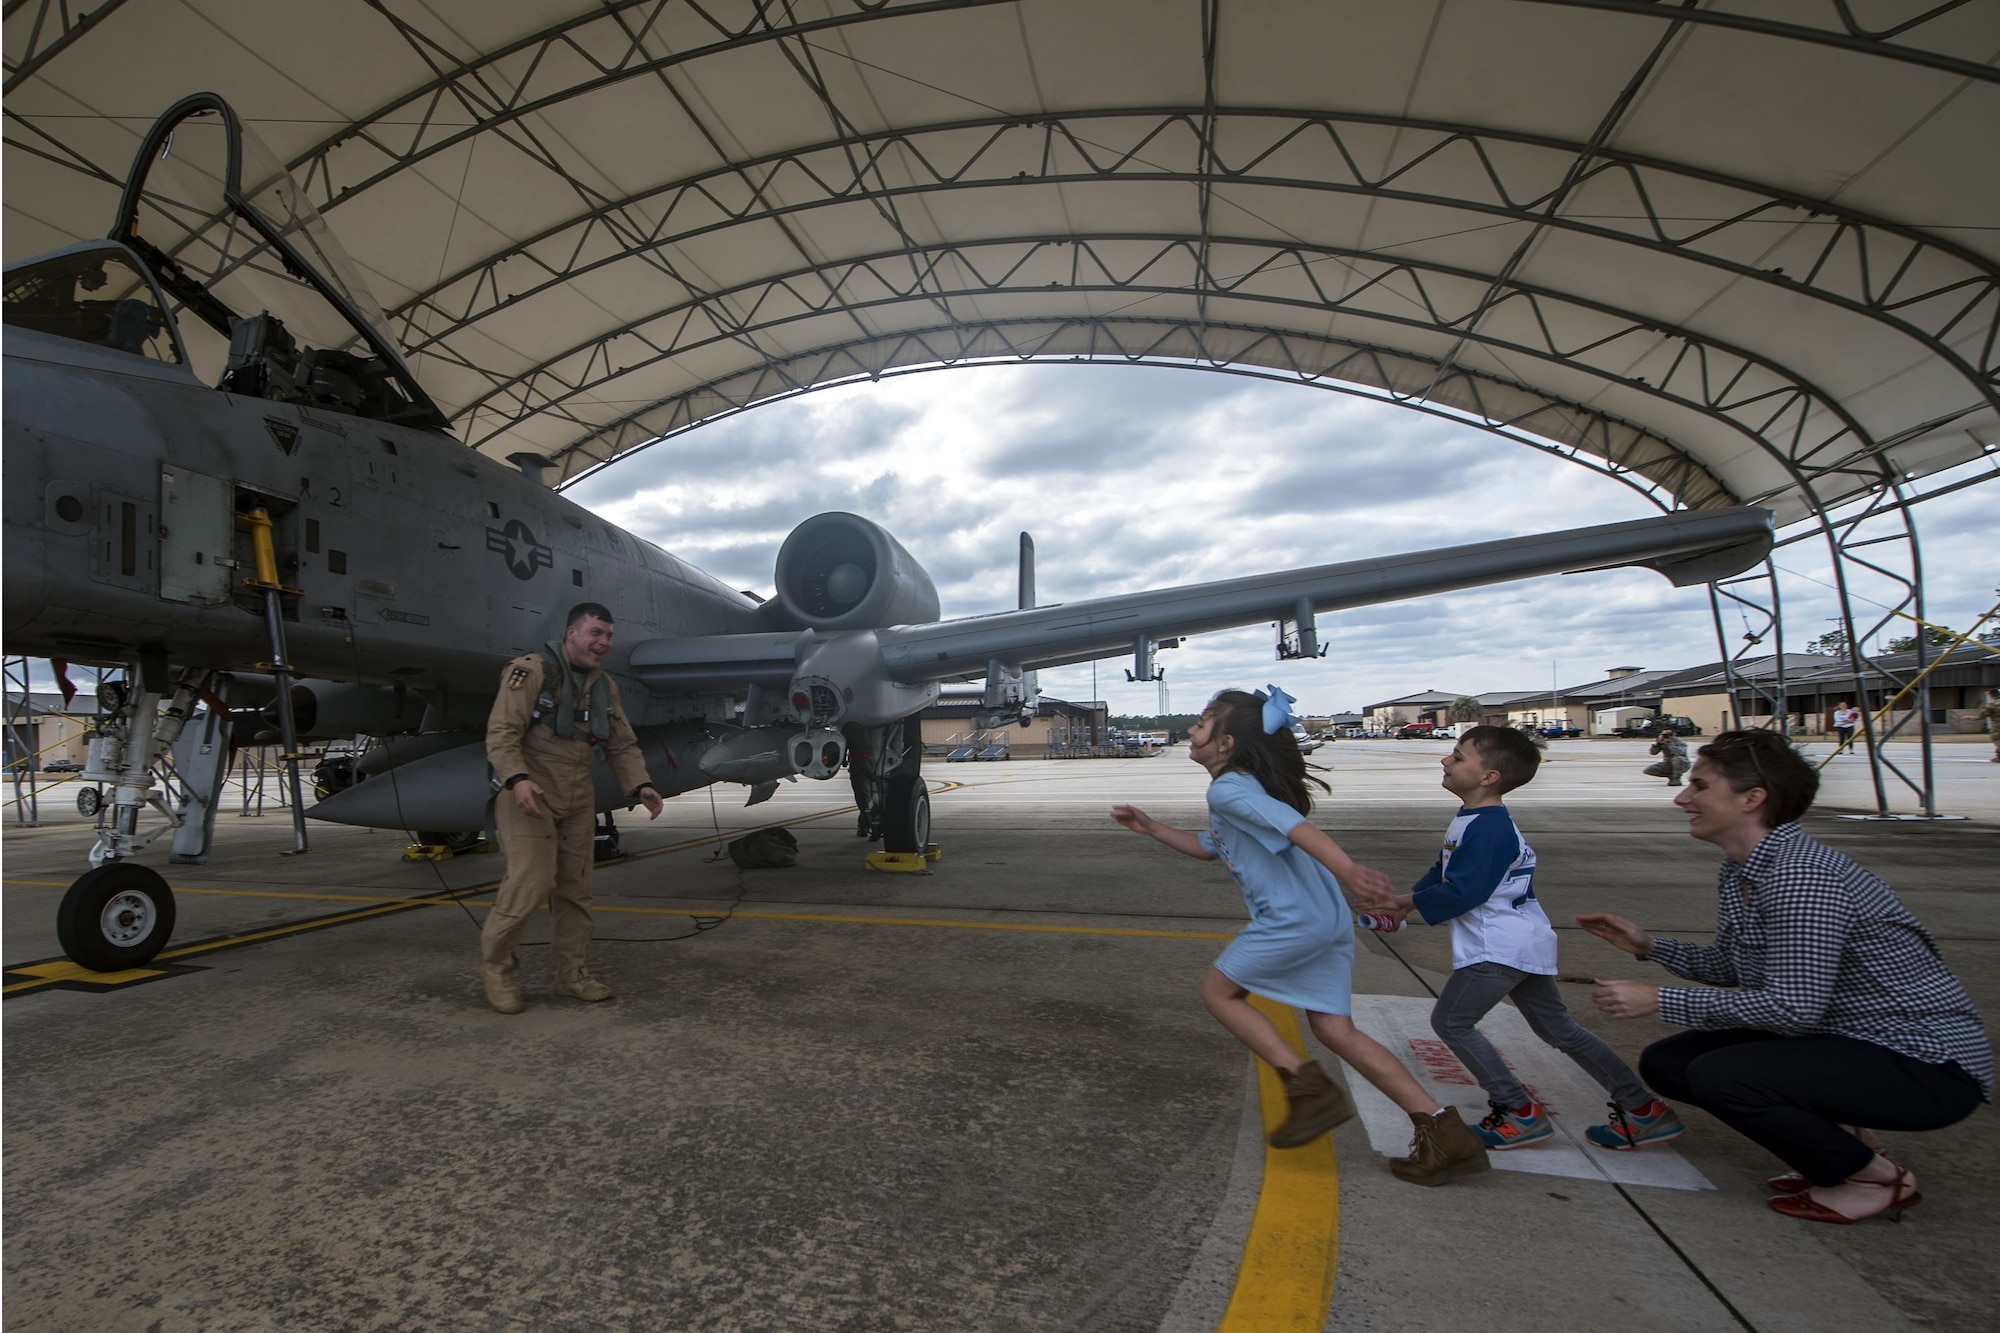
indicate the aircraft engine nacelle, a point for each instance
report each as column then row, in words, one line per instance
column 329, row 710
column 840, row 571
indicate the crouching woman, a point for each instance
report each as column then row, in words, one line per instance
column 1836, row 1014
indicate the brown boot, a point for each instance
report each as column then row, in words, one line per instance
column 501, row 992
column 1443, row 1148
column 1317, row 1102
column 583, row 986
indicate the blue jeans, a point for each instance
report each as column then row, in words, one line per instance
column 1471, row 994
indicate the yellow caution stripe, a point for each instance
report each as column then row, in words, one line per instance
column 1285, row 1280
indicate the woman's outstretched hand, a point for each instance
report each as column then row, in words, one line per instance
column 1617, row 932
column 1627, row 999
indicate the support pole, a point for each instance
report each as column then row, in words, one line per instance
column 258, row 524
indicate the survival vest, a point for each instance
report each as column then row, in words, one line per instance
column 557, row 706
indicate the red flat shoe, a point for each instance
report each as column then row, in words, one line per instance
column 1789, row 1183
column 1900, row 1193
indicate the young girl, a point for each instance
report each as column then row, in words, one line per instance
column 1299, row 946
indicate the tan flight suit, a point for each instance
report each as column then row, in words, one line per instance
column 549, row 859
column 1991, row 712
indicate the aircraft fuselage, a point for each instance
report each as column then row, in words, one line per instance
column 419, row 562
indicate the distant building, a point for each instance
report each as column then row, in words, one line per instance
column 1426, row 706
column 47, row 728
column 954, row 721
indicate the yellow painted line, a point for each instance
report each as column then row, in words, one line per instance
column 691, row 909
column 65, row 970
column 381, row 906
column 976, row 925
column 1285, row 1280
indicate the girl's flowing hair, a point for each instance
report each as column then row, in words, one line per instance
column 1272, row 758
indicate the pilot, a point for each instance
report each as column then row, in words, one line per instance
column 556, row 707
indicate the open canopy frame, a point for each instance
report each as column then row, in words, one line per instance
column 1726, row 251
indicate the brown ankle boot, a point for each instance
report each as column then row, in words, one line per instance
column 583, row 986
column 1443, row 1148
column 1317, row 1105
column 501, row 992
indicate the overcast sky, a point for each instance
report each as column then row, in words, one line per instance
column 1141, row 477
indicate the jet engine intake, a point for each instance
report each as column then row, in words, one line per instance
column 840, row 571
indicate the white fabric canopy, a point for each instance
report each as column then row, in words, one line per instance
column 1744, row 250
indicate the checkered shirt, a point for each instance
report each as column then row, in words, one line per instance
column 1809, row 942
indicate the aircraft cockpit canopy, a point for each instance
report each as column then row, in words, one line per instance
column 279, row 310
column 94, row 294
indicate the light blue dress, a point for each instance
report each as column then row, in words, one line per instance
column 1299, row 946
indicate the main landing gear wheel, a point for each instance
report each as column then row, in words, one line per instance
column 115, row 917
column 454, row 842
column 906, row 814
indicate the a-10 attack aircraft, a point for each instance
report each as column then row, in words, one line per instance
column 294, row 530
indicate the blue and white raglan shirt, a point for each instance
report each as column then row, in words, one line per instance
column 1484, row 884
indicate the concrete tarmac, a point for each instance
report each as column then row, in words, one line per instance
column 827, row 1098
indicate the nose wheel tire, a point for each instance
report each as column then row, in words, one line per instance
column 115, row 917
column 906, row 814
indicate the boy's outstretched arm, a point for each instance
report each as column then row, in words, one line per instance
column 1369, row 884
column 1188, row 844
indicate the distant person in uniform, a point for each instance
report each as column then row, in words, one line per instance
column 1846, row 718
column 556, row 707
column 1992, row 715
column 1825, row 1011
column 1673, row 762
column 1298, row 949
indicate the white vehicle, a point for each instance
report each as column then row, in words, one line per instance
column 1307, row 743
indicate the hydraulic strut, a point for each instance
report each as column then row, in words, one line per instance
column 258, row 524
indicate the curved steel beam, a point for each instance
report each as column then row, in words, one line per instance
column 1749, row 391
column 1843, row 32
column 495, row 85
column 67, row 28
column 1928, row 289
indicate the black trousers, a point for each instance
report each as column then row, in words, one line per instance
column 1792, row 1094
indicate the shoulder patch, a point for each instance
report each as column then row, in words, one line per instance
column 517, row 676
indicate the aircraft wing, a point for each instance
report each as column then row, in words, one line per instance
column 1694, row 546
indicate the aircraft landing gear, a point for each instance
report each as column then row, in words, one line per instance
column 115, row 917
column 605, row 843
column 906, row 814
column 120, row 914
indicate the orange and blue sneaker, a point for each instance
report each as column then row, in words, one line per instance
column 1653, row 1123
column 1517, row 1127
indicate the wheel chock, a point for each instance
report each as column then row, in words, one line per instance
column 905, row 863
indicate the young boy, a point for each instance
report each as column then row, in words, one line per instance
column 1502, row 944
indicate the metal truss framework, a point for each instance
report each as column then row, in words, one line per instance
column 1733, row 386
column 1945, row 299
column 1940, row 296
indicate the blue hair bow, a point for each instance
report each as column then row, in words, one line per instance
column 1277, row 710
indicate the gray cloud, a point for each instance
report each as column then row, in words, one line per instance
column 1132, row 478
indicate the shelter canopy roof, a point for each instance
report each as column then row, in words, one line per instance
column 1744, row 251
